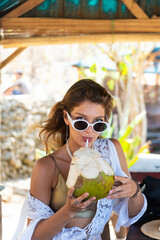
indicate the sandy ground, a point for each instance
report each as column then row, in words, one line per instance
column 12, row 200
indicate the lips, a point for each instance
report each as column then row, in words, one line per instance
column 89, row 139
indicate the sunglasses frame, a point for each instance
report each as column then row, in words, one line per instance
column 88, row 124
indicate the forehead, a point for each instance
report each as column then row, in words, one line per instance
column 89, row 108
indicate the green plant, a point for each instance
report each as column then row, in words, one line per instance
column 131, row 146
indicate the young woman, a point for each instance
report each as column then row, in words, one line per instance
column 52, row 210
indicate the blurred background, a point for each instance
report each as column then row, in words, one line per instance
column 46, row 46
column 124, row 69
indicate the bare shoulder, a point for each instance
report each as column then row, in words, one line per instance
column 45, row 165
column 116, row 144
column 44, row 168
column 43, row 177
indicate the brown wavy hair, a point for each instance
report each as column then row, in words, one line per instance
column 53, row 130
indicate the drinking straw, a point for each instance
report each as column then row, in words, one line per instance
column 87, row 143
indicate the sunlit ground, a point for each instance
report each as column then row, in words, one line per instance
column 12, row 200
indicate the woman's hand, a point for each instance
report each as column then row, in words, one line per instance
column 124, row 187
column 75, row 205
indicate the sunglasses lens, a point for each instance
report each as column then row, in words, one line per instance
column 100, row 127
column 80, row 125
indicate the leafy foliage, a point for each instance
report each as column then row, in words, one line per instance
column 130, row 145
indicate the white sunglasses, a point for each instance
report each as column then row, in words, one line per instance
column 82, row 124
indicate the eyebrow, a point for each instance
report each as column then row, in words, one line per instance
column 83, row 115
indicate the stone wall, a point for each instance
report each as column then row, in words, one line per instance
column 18, row 145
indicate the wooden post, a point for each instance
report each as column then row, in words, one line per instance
column 11, row 57
column 0, row 220
column 1, row 188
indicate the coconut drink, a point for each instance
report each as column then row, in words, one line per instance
column 89, row 172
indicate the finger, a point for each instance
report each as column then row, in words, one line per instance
column 121, row 179
column 86, row 203
column 118, row 189
column 82, row 197
column 75, row 201
column 125, row 190
column 117, row 183
column 118, row 195
column 124, row 186
column 70, row 192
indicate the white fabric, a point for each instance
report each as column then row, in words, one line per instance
column 37, row 210
column 121, row 205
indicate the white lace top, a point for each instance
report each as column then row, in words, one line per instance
column 37, row 210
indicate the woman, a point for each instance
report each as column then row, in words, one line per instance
column 53, row 212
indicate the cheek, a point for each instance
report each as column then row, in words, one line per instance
column 73, row 131
column 96, row 135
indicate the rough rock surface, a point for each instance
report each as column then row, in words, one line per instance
column 18, row 145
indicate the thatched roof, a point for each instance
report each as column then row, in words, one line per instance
column 41, row 22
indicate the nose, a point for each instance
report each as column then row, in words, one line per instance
column 89, row 129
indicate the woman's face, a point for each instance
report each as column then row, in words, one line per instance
column 91, row 112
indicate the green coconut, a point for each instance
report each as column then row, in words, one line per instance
column 89, row 172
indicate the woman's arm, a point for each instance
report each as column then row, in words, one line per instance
column 127, row 187
column 41, row 188
column 44, row 178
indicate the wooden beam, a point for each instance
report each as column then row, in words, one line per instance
column 23, row 8
column 135, row 9
column 85, row 38
column 82, row 26
column 1, row 188
column 11, row 57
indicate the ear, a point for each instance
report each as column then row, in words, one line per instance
column 65, row 117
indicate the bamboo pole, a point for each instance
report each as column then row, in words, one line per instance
column 23, row 8
column 82, row 26
column 135, row 9
column 80, row 39
column 11, row 57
